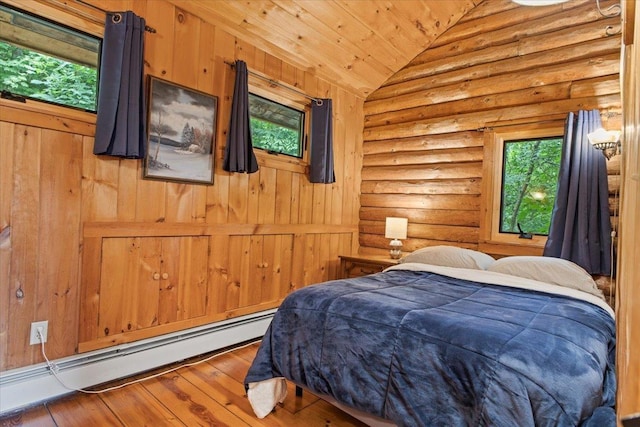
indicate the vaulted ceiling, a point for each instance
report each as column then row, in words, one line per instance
column 357, row 44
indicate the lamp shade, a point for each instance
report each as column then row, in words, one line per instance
column 396, row 228
column 601, row 136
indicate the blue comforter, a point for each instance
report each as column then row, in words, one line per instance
column 423, row 349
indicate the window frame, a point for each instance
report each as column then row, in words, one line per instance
column 301, row 130
column 79, row 17
column 492, row 175
column 505, row 144
column 293, row 99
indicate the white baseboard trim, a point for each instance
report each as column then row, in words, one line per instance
column 24, row 387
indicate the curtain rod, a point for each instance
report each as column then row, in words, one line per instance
column 318, row 101
column 65, row 5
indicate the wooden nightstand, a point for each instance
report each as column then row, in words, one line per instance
column 361, row 265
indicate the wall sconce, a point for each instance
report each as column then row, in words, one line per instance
column 396, row 228
column 606, row 140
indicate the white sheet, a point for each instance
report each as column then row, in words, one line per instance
column 264, row 395
column 494, row 278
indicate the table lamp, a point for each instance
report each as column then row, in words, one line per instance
column 396, row 228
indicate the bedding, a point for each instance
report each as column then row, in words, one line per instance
column 425, row 345
column 549, row 270
column 450, row 256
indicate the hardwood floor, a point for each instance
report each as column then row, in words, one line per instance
column 210, row 393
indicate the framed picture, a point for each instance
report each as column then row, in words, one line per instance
column 181, row 129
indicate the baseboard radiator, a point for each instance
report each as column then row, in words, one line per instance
column 27, row 386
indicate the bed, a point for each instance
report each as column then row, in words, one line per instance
column 455, row 340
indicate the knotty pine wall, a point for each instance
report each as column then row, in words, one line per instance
column 501, row 64
column 628, row 299
column 55, row 192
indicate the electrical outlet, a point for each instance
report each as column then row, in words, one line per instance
column 33, row 337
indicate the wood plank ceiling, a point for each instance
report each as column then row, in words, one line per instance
column 357, row 44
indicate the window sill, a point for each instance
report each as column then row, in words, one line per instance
column 513, row 239
column 41, row 114
column 282, row 162
column 508, row 248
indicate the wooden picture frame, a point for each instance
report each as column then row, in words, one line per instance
column 181, row 129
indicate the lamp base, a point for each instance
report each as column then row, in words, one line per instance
column 396, row 249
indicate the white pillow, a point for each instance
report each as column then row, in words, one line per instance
column 450, row 256
column 556, row 271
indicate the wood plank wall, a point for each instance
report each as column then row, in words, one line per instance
column 53, row 189
column 628, row 300
column 500, row 64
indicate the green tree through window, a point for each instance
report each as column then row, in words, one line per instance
column 529, row 184
column 43, row 60
column 46, row 78
column 273, row 137
column 275, row 127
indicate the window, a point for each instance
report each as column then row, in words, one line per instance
column 529, row 183
column 275, row 127
column 519, row 183
column 47, row 61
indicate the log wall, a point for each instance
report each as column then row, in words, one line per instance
column 501, row 64
column 57, row 199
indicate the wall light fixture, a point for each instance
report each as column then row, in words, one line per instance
column 606, row 140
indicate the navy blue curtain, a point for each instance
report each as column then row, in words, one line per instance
column 321, row 160
column 121, row 121
column 238, row 153
column 580, row 224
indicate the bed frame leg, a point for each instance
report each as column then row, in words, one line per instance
column 298, row 391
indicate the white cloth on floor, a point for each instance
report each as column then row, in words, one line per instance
column 264, row 395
